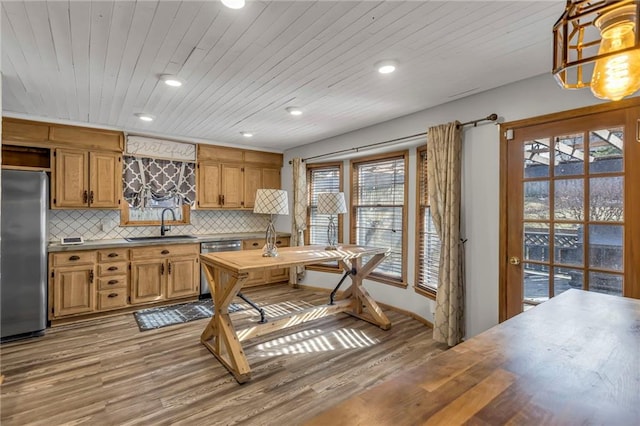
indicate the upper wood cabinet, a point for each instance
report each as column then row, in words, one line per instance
column 83, row 179
column 16, row 131
column 228, row 178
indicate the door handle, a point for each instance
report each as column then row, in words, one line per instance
column 162, row 269
column 91, row 197
column 223, row 200
column 91, row 276
column 514, row 260
column 169, row 267
column 85, row 197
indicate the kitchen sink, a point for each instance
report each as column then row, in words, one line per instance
column 162, row 238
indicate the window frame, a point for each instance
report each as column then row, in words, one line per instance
column 353, row 180
column 307, row 235
column 422, row 204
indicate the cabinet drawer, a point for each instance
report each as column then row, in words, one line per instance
column 108, row 283
column 111, row 299
column 71, row 258
column 115, row 268
column 253, row 244
column 164, row 251
column 113, row 255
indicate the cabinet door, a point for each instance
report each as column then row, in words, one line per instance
column 74, row 291
column 232, row 186
column 105, row 180
column 183, row 278
column 71, row 176
column 252, row 182
column 209, row 185
column 271, row 178
column 147, row 281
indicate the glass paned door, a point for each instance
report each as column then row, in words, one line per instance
column 571, row 208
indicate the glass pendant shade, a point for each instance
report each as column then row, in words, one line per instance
column 616, row 76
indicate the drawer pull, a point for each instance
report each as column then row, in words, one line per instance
column 278, row 242
column 112, row 268
column 164, row 251
column 255, row 244
column 112, row 282
column 74, row 257
column 113, row 295
column 113, row 254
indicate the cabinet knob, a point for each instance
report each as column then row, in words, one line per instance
column 74, row 257
column 112, row 268
column 165, row 251
column 113, row 295
column 113, row 254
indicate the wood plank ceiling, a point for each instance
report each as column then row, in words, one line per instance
column 99, row 62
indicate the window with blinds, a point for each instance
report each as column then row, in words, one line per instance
column 379, row 211
column 323, row 177
column 428, row 242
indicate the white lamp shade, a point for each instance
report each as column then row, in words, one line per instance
column 271, row 201
column 331, row 203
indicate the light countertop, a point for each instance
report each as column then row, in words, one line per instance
column 121, row 242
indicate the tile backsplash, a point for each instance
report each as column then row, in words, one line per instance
column 105, row 224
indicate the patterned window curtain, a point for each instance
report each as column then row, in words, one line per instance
column 147, row 179
column 299, row 222
column 444, row 151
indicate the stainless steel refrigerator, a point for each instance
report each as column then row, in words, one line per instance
column 23, row 255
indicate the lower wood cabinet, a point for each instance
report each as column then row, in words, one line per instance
column 89, row 282
column 270, row 276
column 164, row 272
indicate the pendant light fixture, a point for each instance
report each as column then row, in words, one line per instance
column 597, row 45
column 233, row 4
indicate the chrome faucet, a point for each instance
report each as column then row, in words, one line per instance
column 163, row 228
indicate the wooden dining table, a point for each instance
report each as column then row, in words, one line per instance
column 573, row 360
column 226, row 273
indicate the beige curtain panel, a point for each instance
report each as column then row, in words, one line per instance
column 299, row 222
column 444, row 152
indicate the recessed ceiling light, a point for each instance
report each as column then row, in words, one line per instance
column 386, row 67
column 247, row 134
column 294, row 110
column 171, row 80
column 145, row 117
column 233, row 4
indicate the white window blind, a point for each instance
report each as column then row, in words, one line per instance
column 321, row 179
column 379, row 210
column 428, row 256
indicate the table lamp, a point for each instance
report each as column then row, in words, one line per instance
column 331, row 203
column 271, row 201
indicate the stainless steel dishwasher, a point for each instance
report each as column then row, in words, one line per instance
column 214, row 247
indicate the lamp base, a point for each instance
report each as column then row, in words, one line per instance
column 269, row 251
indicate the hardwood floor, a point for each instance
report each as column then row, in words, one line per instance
column 106, row 372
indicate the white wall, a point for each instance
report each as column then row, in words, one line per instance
column 480, row 206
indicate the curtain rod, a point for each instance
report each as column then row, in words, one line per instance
column 490, row 117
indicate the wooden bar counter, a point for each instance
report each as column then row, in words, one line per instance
column 572, row 360
column 227, row 271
